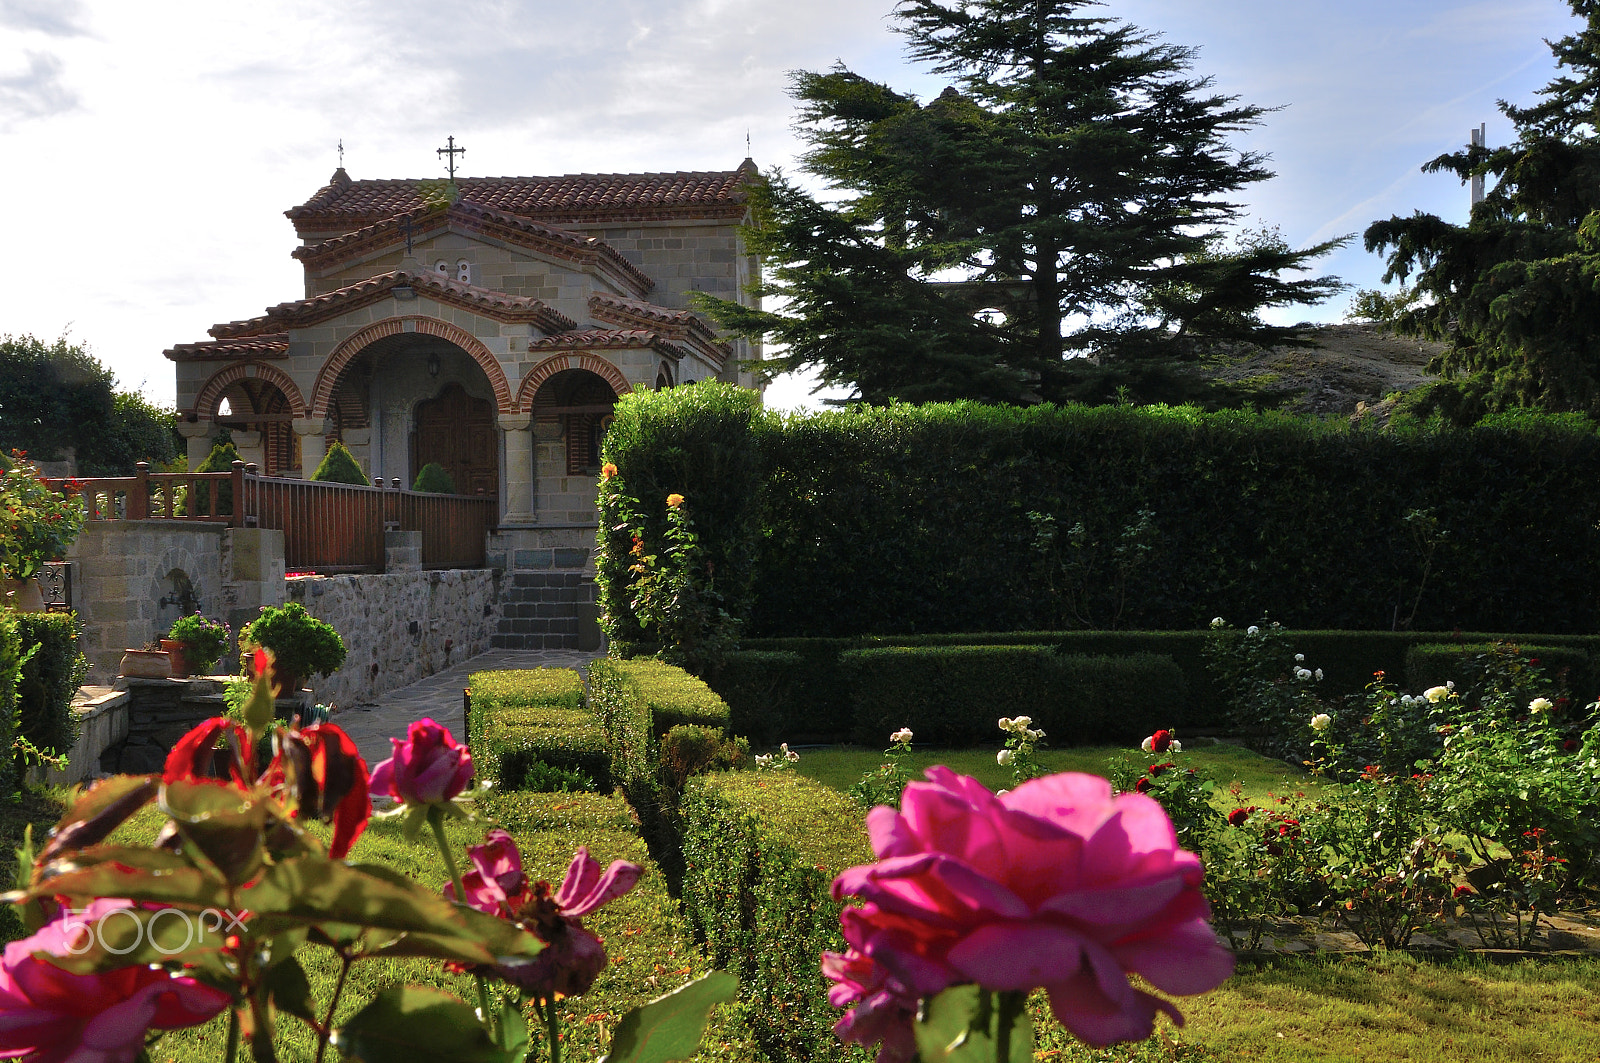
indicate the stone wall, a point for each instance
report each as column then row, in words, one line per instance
column 399, row 627
column 124, row 570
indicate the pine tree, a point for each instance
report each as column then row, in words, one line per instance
column 1515, row 293
column 339, row 466
column 1065, row 196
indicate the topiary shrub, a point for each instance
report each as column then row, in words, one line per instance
column 339, row 466
column 434, row 480
column 529, row 730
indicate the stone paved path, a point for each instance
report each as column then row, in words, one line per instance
column 439, row 696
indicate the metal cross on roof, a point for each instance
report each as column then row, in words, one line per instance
column 341, row 153
column 409, row 230
column 450, row 152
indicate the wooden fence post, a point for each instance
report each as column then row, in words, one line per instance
column 139, row 496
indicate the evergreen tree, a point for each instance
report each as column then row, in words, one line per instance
column 1066, row 196
column 1515, row 293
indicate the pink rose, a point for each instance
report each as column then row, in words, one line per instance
column 573, row 957
column 884, row 1010
column 1057, row 884
column 428, row 768
column 50, row 1016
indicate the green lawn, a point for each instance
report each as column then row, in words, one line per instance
column 842, row 766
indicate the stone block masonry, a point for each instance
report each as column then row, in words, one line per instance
column 547, row 611
column 399, row 627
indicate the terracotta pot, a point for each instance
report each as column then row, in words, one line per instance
column 146, row 664
column 23, row 595
column 181, row 668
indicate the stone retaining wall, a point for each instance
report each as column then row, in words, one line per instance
column 399, row 627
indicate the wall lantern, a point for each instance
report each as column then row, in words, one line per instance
column 433, row 365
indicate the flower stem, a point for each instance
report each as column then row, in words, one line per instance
column 233, row 1035
column 1010, row 1008
column 436, row 821
column 552, row 1028
column 327, row 1022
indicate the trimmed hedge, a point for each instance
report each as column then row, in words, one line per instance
column 49, row 680
column 762, row 689
column 520, row 720
column 638, row 702
column 1434, row 664
column 953, row 695
column 913, row 519
column 760, row 852
column 11, row 651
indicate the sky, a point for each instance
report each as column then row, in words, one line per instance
column 148, row 150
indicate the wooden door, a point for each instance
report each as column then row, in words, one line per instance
column 457, row 431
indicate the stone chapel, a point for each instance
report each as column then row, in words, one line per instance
column 488, row 325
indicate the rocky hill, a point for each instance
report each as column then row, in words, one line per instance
column 1351, row 365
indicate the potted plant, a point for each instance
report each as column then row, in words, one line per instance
column 39, row 525
column 195, row 643
column 301, row 645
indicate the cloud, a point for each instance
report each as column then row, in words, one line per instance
column 58, row 18
column 36, row 92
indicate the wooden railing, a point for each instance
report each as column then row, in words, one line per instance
column 326, row 527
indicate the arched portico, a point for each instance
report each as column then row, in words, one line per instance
column 259, row 404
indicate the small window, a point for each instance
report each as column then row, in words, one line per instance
column 443, row 267
column 464, row 272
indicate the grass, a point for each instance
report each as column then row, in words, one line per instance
column 842, row 766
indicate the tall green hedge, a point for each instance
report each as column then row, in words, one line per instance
column 699, row 442
column 912, row 519
column 12, row 652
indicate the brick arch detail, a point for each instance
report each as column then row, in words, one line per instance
column 205, row 404
column 328, row 376
column 560, row 363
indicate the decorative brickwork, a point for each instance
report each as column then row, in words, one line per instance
column 328, row 378
column 205, row 404
column 562, row 362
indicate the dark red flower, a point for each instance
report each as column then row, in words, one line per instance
column 197, row 757
column 1161, row 741
column 330, row 781
column 1143, row 785
column 1237, row 817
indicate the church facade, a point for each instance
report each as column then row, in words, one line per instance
column 487, row 325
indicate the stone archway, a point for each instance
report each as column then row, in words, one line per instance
column 261, row 404
column 571, row 410
column 328, row 377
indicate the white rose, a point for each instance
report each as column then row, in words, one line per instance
column 1299, row 656
column 763, row 760
column 1321, row 722
column 791, row 756
column 1252, row 630
column 1217, row 621
column 1302, row 674
column 1436, row 694
column 1318, row 674
column 1022, row 723
column 1540, row 705
column 1175, row 747
column 902, row 735
column 1148, row 745
column 1036, row 735
column 1005, row 723
column 1004, row 758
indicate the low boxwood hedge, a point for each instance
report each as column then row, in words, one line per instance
column 1437, row 663
column 522, row 724
column 763, row 691
column 640, row 700
column 955, row 695
column 760, row 852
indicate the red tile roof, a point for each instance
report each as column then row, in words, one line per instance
column 684, row 326
column 473, row 217
column 583, row 198
column 485, row 301
column 601, row 339
column 270, row 345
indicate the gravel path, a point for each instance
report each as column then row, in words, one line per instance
column 439, row 696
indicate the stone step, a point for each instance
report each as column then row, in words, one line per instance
column 529, row 641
